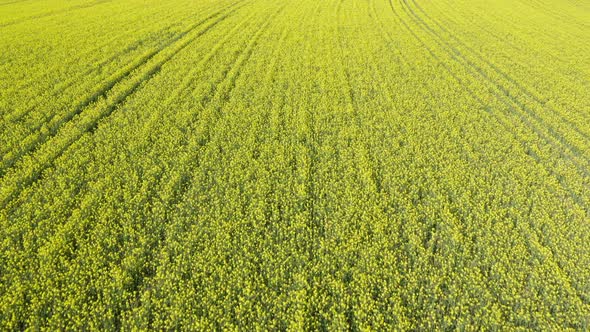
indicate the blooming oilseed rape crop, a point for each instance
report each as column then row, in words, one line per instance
column 294, row 165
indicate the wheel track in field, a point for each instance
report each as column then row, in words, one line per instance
column 180, row 181
column 69, row 83
column 220, row 93
column 15, row 180
column 118, row 77
column 504, row 99
column 34, row 141
column 507, row 126
column 497, row 35
column 184, row 180
column 400, row 229
column 534, row 233
column 482, row 274
column 54, row 12
column 59, row 88
column 388, row 38
column 364, row 157
column 473, row 95
column 190, row 78
column 515, row 44
column 33, row 133
column 153, row 190
column 553, row 138
column 572, row 158
column 558, row 16
column 178, row 92
column 519, row 87
column 224, row 87
column 101, row 63
column 12, row 2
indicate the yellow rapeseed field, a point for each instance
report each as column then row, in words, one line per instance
column 295, row 165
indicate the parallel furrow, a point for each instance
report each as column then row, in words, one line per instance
column 537, row 130
column 17, row 179
column 499, row 97
column 518, row 86
column 184, row 181
column 12, row 2
column 58, row 89
column 30, row 144
column 389, row 42
column 574, row 196
column 220, row 97
column 526, row 115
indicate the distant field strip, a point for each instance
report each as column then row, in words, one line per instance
column 295, row 165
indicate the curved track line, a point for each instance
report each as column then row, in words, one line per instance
column 12, row 2
column 535, row 231
column 504, row 123
column 479, row 272
column 190, row 78
column 154, row 188
column 574, row 289
column 63, row 86
column 33, row 142
column 13, row 183
column 521, row 110
column 494, row 67
column 184, row 180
